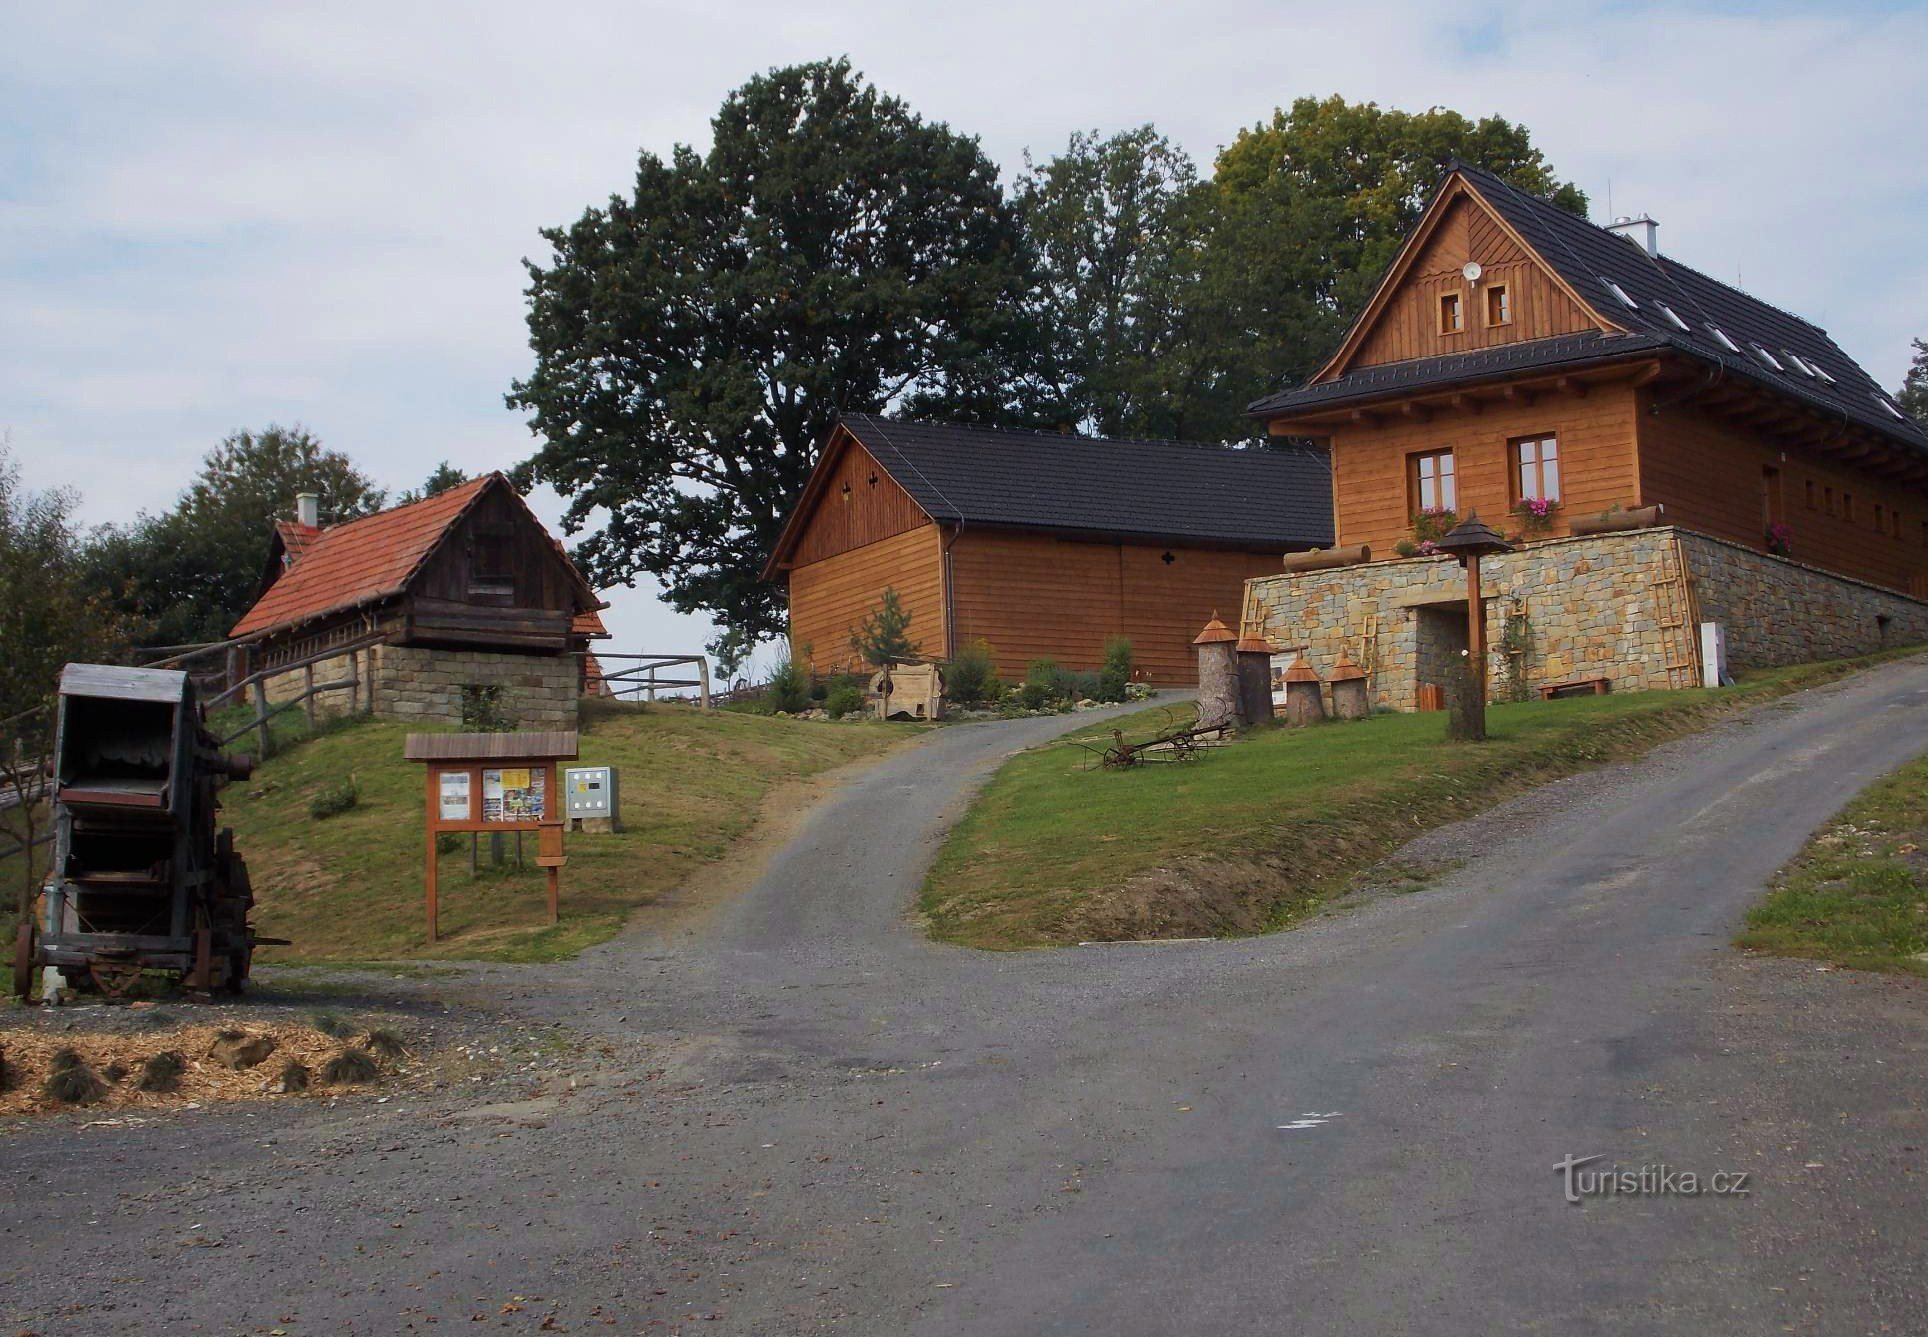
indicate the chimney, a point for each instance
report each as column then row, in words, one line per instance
column 308, row 510
column 1641, row 231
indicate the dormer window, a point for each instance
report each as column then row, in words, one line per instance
column 1822, row 372
column 1894, row 410
column 1452, row 319
column 1720, row 337
column 1766, row 358
column 1620, row 295
column 1672, row 317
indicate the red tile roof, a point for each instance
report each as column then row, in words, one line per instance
column 295, row 538
column 358, row 562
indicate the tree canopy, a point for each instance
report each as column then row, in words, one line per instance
column 1913, row 394
column 48, row 617
column 695, row 341
column 189, row 573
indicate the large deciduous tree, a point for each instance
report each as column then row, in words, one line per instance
column 695, row 341
column 1119, row 225
column 192, row 571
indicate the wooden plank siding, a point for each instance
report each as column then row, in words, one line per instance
column 1035, row 596
column 1708, row 474
column 1372, row 497
column 875, row 507
column 830, row 597
column 1409, row 325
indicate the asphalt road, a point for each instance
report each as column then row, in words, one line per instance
column 802, row 1117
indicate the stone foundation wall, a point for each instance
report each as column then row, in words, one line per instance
column 1610, row 606
column 1775, row 611
column 419, row 683
column 287, row 686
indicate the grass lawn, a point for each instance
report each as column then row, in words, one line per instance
column 1253, row 836
column 349, row 888
column 1858, row 894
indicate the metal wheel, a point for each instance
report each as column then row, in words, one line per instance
column 23, row 959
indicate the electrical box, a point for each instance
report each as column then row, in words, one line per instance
column 1713, row 656
column 590, row 795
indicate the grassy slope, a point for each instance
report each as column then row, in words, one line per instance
column 1858, row 894
column 1251, row 836
column 350, row 887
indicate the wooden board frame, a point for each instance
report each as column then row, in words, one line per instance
column 548, row 827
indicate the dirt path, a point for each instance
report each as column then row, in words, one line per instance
column 802, row 1117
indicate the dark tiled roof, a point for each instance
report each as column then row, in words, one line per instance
column 1276, row 499
column 1587, row 257
column 1483, row 364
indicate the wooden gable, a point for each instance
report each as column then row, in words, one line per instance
column 851, row 501
column 1405, row 321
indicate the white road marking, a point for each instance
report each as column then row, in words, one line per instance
column 1310, row 1119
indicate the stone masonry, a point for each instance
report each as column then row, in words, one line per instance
column 418, row 683
column 1613, row 606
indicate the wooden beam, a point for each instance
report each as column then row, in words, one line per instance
column 1568, row 385
column 1466, row 403
column 1647, row 375
column 1365, row 417
column 1516, row 395
column 1416, row 411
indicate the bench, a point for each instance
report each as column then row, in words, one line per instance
column 1576, row 687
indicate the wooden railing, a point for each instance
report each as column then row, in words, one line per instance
column 644, row 676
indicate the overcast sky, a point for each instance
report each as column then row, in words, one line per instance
column 218, row 216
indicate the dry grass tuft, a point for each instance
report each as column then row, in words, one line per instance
column 384, row 1043
column 351, row 1067
column 74, row 1084
column 162, row 1072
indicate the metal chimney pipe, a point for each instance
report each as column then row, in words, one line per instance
column 308, row 509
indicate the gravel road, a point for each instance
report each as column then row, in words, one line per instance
column 799, row 1116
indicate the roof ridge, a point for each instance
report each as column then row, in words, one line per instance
column 1078, row 437
column 442, row 496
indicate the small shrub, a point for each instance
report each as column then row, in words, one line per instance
column 1044, row 682
column 162, row 1072
column 1116, row 675
column 971, row 677
column 64, row 1059
column 334, row 800
column 844, row 701
column 351, row 1067
column 1081, row 685
column 485, row 709
column 294, row 1076
column 450, row 842
column 73, row 1083
column 332, row 1024
column 113, row 1072
column 789, row 691
column 384, row 1043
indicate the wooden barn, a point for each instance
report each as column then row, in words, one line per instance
column 455, row 600
column 1041, row 544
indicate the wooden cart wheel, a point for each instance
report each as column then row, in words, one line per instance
column 23, row 959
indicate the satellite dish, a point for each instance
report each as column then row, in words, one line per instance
column 1471, row 271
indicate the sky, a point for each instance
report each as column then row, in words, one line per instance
column 220, row 216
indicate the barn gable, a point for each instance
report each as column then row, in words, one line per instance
column 851, row 501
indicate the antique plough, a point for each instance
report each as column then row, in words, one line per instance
column 1171, row 744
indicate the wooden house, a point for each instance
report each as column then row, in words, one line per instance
column 1516, row 351
column 1041, row 544
column 461, row 599
column 1556, row 378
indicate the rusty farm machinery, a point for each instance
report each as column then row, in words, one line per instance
column 141, row 878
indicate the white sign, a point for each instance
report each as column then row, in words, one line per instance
column 455, row 796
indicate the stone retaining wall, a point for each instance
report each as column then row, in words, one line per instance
column 1609, row 606
column 1775, row 611
column 418, row 683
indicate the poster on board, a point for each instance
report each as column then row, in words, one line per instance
column 514, row 794
column 456, row 803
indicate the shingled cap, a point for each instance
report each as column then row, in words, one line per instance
column 1254, row 644
column 1215, row 633
column 1345, row 670
column 1472, row 538
column 1301, row 671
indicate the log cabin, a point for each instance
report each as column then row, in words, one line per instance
column 458, row 599
column 1041, row 544
column 1549, row 374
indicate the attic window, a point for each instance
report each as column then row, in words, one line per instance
column 1888, row 404
column 1451, row 318
column 1620, row 294
column 492, row 566
column 1672, row 318
column 1720, row 336
column 1767, row 359
column 1499, row 305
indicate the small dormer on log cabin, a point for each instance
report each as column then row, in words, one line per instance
column 1553, row 375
